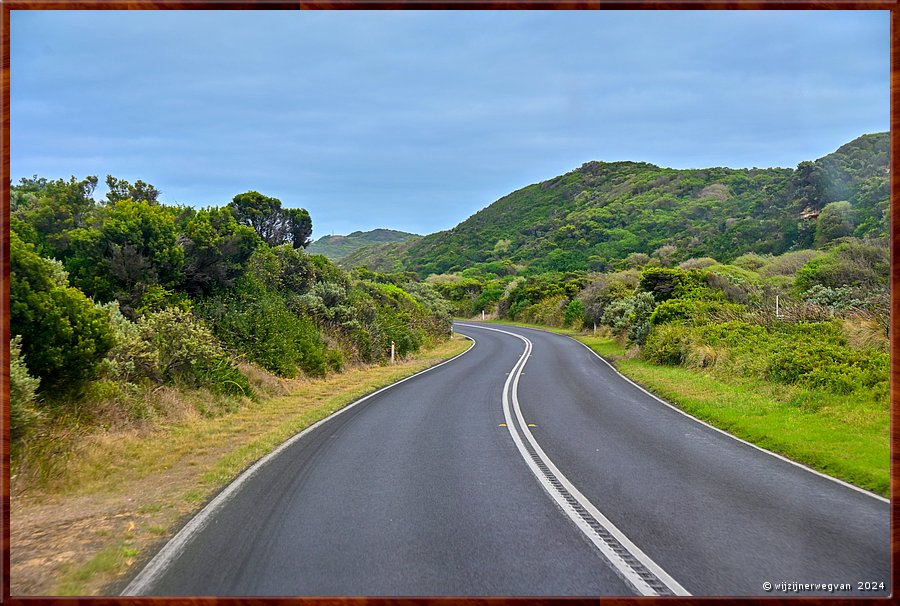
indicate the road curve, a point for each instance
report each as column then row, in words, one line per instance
column 432, row 487
column 717, row 514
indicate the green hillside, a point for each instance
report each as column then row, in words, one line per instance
column 594, row 217
column 338, row 247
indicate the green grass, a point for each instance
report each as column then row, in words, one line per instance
column 560, row 331
column 110, row 560
column 846, row 437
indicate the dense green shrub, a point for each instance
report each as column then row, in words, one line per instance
column 23, row 408
column 630, row 317
column 267, row 333
column 856, row 263
column 64, row 336
column 665, row 283
column 665, row 344
column 574, row 314
column 187, row 353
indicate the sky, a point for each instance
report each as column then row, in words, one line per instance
column 415, row 120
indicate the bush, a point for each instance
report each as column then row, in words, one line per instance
column 23, row 413
column 675, row 310
column 630, row 317
column 64, row 337
column 861, row 264
column 665, row 345
column 132, row 358
column 666, row 283
column 188, row 353
column 789, row 263
column 269, row 334
column 574, row 315
column 697, row 263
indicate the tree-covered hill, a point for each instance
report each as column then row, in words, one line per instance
column 338, row 247
column 594, row 217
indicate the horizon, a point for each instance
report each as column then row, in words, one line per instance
column 382, row 129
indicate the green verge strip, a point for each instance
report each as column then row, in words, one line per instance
column 843, row 436
column 839, row 436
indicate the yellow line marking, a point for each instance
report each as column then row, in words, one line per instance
column 502, row 424
column 532, row 425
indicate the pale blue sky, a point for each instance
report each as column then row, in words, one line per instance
column 416, row 120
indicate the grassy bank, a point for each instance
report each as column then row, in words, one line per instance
column 839, row 435
column 844, row 436
column 127, row 492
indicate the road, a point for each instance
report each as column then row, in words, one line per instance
column 526, row 466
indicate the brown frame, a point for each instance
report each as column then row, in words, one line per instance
column 7, row 5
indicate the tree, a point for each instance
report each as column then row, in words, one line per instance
column 64, row 336
column 216, row 250
column 835, row 221
column 120, row 189
column 52, row 209
column 132, row 255
column 276, row 226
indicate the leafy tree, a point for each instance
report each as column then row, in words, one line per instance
column 133, row 255
column 53, row 209
column 274, row 224
column 64, row 336
column 216, row 249
column 835, row 221
column 120, row 189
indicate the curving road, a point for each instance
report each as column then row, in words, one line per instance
column 526, row 466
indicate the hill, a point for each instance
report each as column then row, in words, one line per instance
column 597, row 215
column 338, row 247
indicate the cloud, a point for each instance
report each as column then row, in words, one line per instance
column 415, row 119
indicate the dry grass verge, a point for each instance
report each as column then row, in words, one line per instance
column 125, row 492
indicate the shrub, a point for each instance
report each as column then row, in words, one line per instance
column 665, row 344
column 132, row 357
column 64, row 337
column 674, row 310
column 752, row 261
column 574, row 314
column 630, row 317
column 697, row 263
column 789, row 263
column 855, row 263
column 666, row 283
column 188, row 353
column 23, row 413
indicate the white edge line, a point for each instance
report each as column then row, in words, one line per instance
column 623, row 567
column 171, row 550
column 636, row 551
column 730, row 435
column 722, row 431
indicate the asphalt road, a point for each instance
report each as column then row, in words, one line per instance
column 525, row 466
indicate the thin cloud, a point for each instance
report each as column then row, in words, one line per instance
column 414, row 120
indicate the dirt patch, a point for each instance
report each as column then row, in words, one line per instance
column 52, row 537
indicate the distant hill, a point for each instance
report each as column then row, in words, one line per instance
column 338, row 247
column 596, row 215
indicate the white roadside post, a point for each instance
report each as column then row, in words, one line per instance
column 392, row 352
column 482, row 315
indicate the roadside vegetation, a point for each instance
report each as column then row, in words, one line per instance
column 807, row 377
column 596, row 216
column 126, row 312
